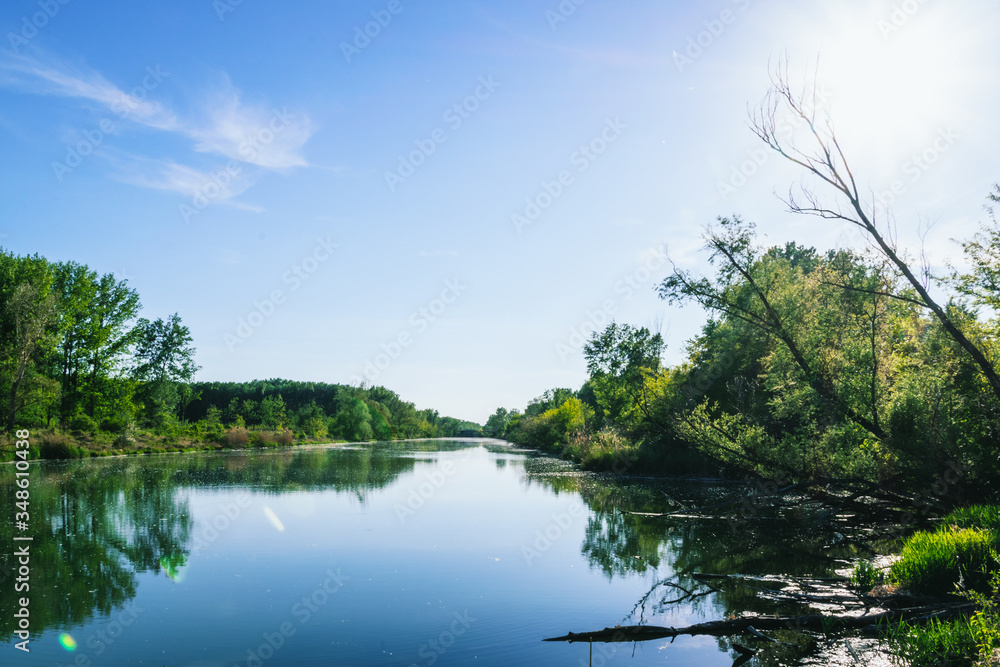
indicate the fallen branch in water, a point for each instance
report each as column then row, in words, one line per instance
column 733, row 626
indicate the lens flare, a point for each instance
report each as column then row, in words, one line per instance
column 273, row 518
column 172, row 566
column 67, row 642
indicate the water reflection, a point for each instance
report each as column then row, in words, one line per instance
column 99, row 524
column 96, row 525
column 628, row 533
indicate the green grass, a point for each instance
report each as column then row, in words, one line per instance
column 986, row 517
column 963, row 548
column 934, row 644
column 934, row 563
column 865, row 576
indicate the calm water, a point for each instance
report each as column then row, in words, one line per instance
column 426, row 553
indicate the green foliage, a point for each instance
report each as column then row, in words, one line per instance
column 981, row 285
column 56, row 446
column 934, row 563
column 619, row 360
column 865, row 576
column 497, row 424
column 934, row 644
column 985, row 517
column 82, row 423
column 606, row 449
column 312, row 421
column 971, row 640
column 272, row 412
column 75, row 354
column 553, row 428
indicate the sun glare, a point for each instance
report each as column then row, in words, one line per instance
column 895, row 81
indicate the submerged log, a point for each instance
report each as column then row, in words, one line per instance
column 732, row 626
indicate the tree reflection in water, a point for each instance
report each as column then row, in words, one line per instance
column 98, row 524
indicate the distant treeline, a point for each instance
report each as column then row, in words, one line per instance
column 75, row 357
column 318, row 410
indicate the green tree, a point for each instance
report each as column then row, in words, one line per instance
column 32, row 312
column 272, row 412
column 163, row 358
column 496, row 425
column 620, row 361
column 354, row 421
column 107, row 338
column 312, row 420
column 76, row 287
column 823, row 160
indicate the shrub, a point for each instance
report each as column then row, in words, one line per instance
column 274, row 438
column 236, row 438
column 933, row 563
column 81, row 423
column 56, row 446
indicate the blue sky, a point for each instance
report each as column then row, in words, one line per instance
column 319, row 206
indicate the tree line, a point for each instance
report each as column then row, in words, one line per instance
column 76, row 357
column 319, row 410
column 74, row 352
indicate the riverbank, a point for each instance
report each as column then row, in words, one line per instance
column 47, row 444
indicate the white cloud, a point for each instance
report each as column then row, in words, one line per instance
column 64, row 80
column 265, row 137
column 215, row 186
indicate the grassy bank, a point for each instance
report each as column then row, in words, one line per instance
column 46, row 444
column 957, row 561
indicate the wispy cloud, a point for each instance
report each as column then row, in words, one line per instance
column 218, row 186
column 267, row 137
column 256, row 135
column 51, row 77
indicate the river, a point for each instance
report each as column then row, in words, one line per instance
column 458, row 552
